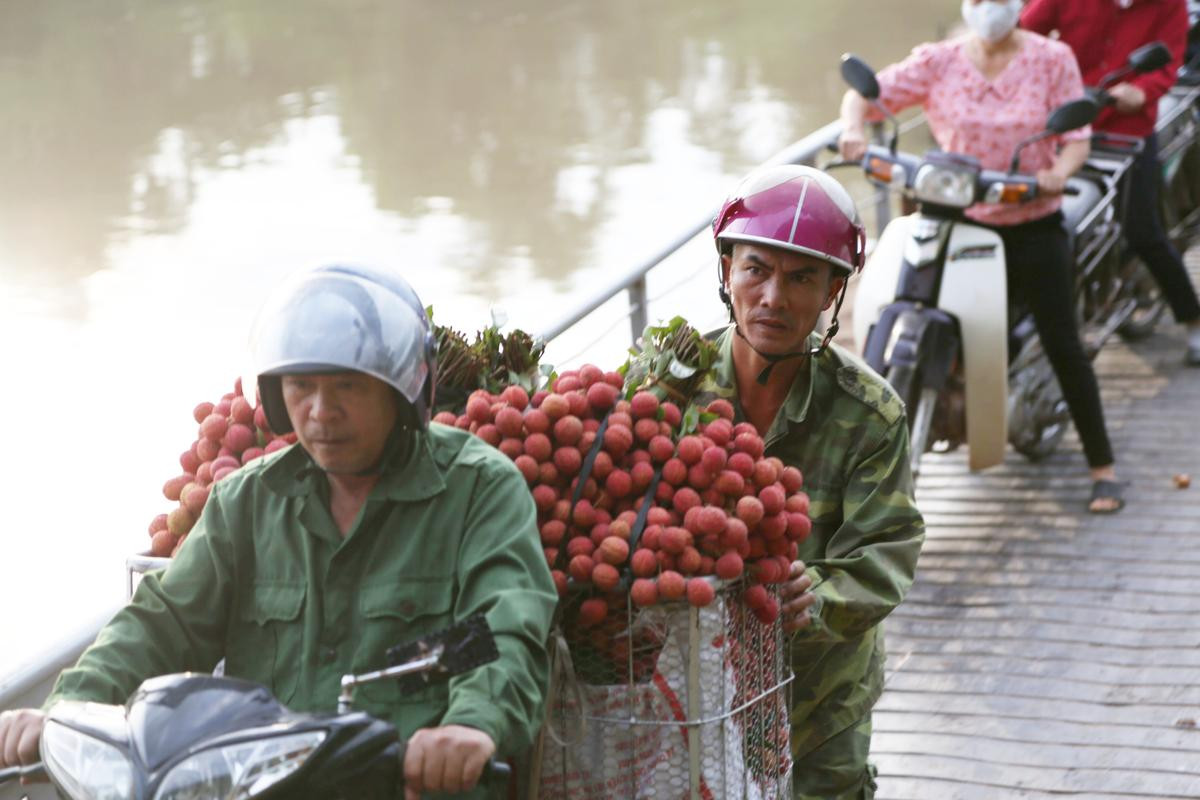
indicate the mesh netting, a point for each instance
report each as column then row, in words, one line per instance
column 669, row 701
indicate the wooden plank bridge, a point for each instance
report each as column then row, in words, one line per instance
column 1045, row 652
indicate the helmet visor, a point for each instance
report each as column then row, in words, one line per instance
column 334, row 321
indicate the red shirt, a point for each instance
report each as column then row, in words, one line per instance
column 1103, row 34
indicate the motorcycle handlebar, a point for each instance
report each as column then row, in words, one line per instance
column 494, row 771
column 35, row 770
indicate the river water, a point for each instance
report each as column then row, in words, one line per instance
column 162, row 164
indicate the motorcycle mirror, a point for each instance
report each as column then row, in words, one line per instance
column 859, row 76
column 464, row 647
column 432, row 658
column 1066, row 117
column 1072, row 115
column 1150, row 57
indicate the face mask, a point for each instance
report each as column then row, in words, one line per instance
column 989, row 20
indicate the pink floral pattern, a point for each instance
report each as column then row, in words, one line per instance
column 987, row 119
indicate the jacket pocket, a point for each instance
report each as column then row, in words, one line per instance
column 397, row 612
column 267, row 646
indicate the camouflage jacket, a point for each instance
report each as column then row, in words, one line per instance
column 846, row 431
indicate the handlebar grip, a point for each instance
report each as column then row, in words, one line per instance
column 496, row 772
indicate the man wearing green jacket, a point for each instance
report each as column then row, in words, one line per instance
column 788, row 239
column 375, row 528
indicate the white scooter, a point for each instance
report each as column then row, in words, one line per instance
column 932, row 308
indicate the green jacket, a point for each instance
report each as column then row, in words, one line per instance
column 266, row 581
column 845, row 430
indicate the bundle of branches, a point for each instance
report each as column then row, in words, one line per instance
column 673, row 362
column 460, row 368
column 492, row 362
column 513, row 359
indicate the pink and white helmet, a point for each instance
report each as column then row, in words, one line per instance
column 796, row 208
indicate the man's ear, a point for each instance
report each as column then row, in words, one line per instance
column 835, row 288
column 726, row 266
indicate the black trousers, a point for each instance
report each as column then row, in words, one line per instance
column 1040, row 277
column 1144, row 230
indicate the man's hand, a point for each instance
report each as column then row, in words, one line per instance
column 20, row 734
column 797, row 599
column 446, row 759
column 1128, row 98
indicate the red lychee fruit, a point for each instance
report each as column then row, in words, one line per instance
column 671, row 585
column 700, row 592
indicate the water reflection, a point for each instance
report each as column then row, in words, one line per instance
column 514, row 115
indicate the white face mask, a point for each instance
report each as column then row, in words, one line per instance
column 991, row 20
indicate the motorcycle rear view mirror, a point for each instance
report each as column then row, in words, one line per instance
column 1067, row 117
column 859, row 76
column 1072, row 115
column 1150, row 57
column 1146, row 58
column 431, row 658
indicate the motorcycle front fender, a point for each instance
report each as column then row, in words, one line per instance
column 876, row 285
column 975, row 291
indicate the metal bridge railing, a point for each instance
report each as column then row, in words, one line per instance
column 633, row 282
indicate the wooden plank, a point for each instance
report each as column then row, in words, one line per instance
column 1036, row 666
column 1055, row 566
column 1002, row 684
column 1046, row 755
column 1182, row 659
column 1128, row 553
column 929, row 788
column 1030, row 634
column 934, row 588
column 1118, row 618
column 895, row 699
column 1039, row 731
column 967, row 768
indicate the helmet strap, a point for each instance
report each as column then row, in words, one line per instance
column 394, row 449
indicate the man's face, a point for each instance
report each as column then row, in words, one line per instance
column 342, row 419
column 777, row 295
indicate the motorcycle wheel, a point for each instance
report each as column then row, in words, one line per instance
column 1037, row 412
column 1140, row 285
column 919, row 405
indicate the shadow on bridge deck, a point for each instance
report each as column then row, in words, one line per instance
column 1044, row 652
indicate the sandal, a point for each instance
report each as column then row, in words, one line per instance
column 1107, row 490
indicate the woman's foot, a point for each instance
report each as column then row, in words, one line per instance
column 1107, row 491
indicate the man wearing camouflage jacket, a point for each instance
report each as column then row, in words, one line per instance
column 789, row 239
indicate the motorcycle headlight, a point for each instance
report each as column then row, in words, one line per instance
column 84, row 767
column 240, row 770
column 945, row 185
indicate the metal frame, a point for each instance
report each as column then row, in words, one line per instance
column 634, row 281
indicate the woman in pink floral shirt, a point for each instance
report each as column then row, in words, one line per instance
column 982, row 93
